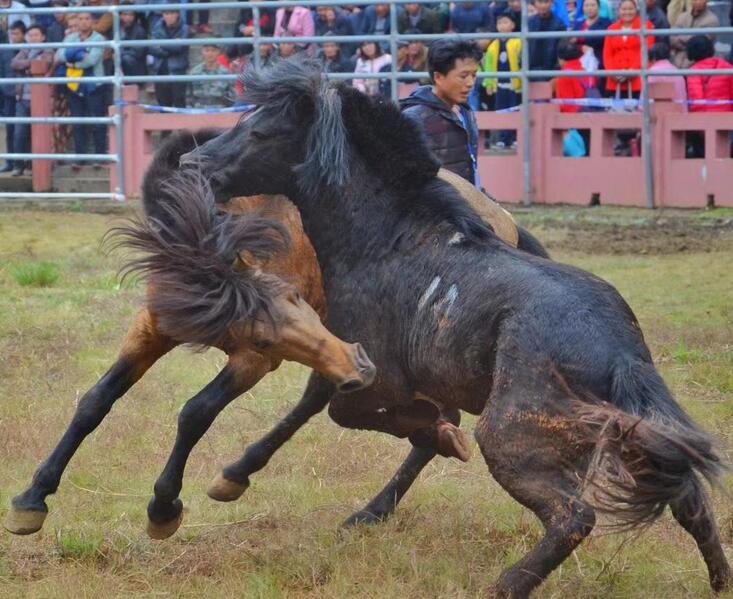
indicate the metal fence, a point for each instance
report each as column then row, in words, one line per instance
column 118, row 79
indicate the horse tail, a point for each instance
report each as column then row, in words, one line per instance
column 648, row 453
column 165, row 163
column 188, row 251
column 530, row 244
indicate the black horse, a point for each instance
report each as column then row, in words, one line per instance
column 574, row 418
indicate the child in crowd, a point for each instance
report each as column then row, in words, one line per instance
column 215, row 92
column 504, row 56
column 21, row 64
column 170, row 60
column 569, row 55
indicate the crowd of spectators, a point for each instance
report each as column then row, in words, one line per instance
column 581, row 53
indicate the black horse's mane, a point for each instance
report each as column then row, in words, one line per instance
column 342, row 120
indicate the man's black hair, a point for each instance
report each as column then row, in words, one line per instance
column 444, row 53
column 567, row 50
column 38, row 26
column 700, row 47
column 659, row 51
column 18, row 25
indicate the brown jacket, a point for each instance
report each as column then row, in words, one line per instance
column 679, row 42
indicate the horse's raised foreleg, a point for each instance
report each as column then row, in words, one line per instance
column 242, row 372
column 234, row 478
column 142, row 348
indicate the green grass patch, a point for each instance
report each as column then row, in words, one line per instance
column 36, row 274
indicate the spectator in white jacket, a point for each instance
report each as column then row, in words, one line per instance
column 370, row 59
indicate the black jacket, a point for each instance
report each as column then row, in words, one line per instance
column 451, row 142
column 543, row 52
column 133, row 58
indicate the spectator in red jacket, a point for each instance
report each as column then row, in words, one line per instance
column 572, row 88
column 713, row 88
column 623, row 52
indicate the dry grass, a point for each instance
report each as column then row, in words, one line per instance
column 452, row 535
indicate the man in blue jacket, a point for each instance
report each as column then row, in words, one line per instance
column 441, row 109
column 7, row 97
column 170, row 60
column 543, row 52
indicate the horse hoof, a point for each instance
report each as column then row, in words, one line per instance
column 452, row 442
column 223, row 489
column 162, row 530
column 363, row 517
column 24, row 522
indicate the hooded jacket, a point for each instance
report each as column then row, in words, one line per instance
column 455, row 145
column 710, row 87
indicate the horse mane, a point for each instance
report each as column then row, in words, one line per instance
column 187, row 249
column 391, row 146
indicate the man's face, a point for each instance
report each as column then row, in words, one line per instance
column 171, row 18
column 382, row 10
column 287, row 49
column 412, row 9
column 515, row 5
column 698, row 6
column 127, row 18
column 210, row 54
column 650, row 4
column 321, row 12
column 456, row 85
column 544, row 7
column 84, row 22
column 330, row 50
column 16, row 36
column 35, row 36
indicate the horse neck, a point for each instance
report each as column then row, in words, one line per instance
column 350, row 224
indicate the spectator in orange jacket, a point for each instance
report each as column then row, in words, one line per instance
column 572, row 88
column 623, row 52
column 713, row 88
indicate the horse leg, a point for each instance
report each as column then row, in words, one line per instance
column 695, row 516
column 234, row 478
column 242, row 372
column 143, row 346
column 423, row 451
column 527, row 453
column 385, row 502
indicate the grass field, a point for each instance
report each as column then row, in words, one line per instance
column 63, row 315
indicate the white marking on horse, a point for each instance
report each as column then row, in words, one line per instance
column 428, row 293
column 446, row 304
column 457, row 239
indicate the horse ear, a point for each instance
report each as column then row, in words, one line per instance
column 246, row 262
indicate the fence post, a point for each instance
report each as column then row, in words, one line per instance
column 131, row 149
column 41, row 138
column 662, row 97
column 540, row 92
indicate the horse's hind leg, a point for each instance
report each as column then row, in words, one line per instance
column 143, row 346
column 695, row 516
column 234, row 479
column 242, row 372
column 528, row 454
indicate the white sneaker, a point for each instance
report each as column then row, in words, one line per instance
column 500, row 144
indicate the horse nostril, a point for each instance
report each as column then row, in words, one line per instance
column 350, row 385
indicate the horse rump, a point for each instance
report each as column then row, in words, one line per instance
column 190, row 253
column 647, row 453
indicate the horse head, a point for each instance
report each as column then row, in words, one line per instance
column 294, row 141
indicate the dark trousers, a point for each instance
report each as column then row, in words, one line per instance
column 22, row 135
column 203, row 15
column 506, row 98
column 7, row 108
column 91, row 104
column 171, row 94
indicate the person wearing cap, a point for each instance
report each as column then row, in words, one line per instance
column 214, row 92
column 170, row 60
column 132, row 58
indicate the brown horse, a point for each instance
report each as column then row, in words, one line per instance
column 251, row 307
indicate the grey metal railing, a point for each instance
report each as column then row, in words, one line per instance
column 118, row 79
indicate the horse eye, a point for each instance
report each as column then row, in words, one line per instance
column 258, row 135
